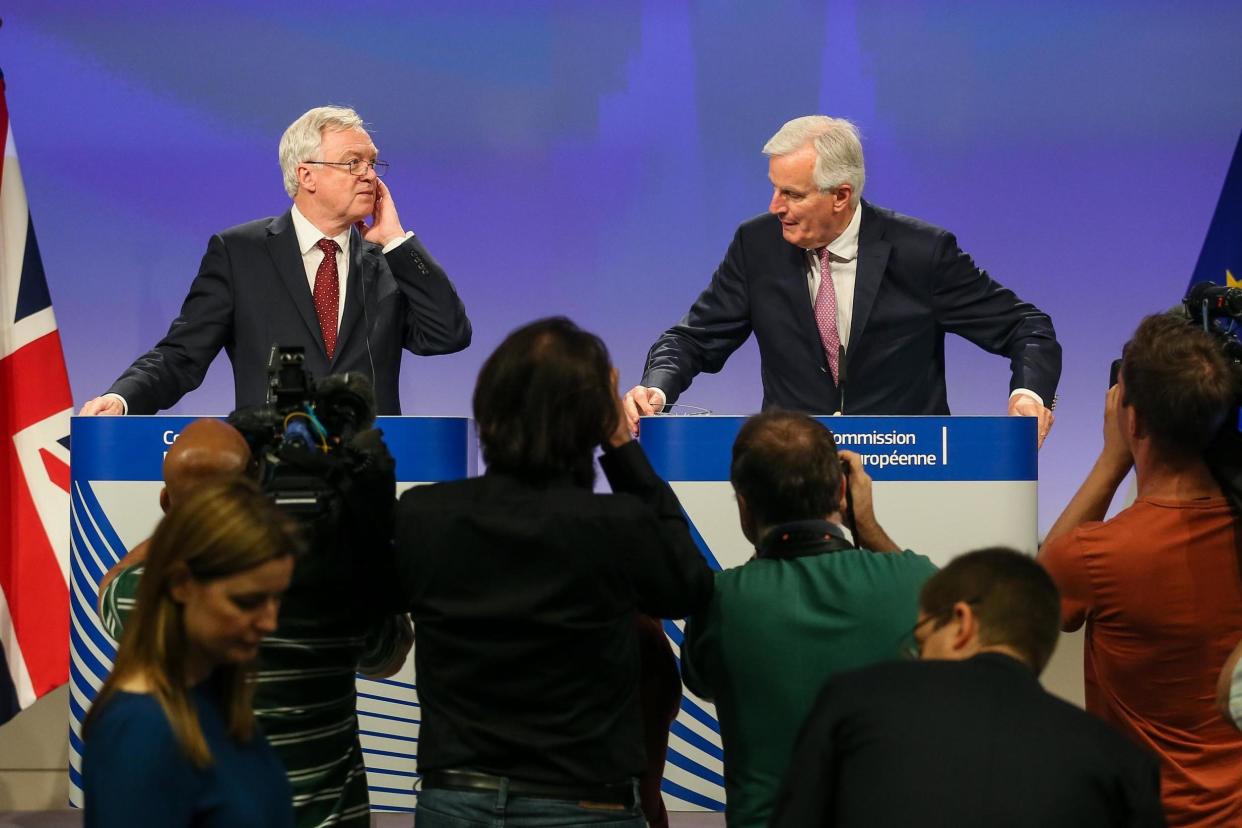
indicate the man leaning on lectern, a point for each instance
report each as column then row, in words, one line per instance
column 849, row 302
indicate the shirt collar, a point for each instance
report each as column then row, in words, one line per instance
column 844, row 248
column 309, row 235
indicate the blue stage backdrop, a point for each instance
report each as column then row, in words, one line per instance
column 593, row 158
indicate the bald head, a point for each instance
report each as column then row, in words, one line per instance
column 204, row 450
column 786, row 468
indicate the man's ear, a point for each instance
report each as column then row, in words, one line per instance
column 843, row 502
column 966, row 632
column 747, row 519
column 1128, row 419
column 841, row 198
column 306, row 178
column 1131, row 423
column 164, row 504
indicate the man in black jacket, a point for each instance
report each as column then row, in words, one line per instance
column 525, row 585
column 352, row 295
column 967, row 737
column 867, row 340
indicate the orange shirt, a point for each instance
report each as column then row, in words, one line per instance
column 1160, row 590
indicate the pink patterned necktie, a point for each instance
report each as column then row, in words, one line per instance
column 327, row 293
column 826, row 314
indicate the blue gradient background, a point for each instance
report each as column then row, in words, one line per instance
column 593, row 159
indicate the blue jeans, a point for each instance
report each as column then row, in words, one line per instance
column 447, row 808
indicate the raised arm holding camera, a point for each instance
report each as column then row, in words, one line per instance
column 810, row 604
column 526, row 587
column 1158, row 585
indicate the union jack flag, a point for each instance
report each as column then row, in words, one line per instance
column 35, row 407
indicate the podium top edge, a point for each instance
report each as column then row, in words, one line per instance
column 223, row 416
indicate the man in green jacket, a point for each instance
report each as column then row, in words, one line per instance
column 810, row 604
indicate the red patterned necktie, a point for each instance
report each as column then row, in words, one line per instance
column 826, row 314
column 327, row 293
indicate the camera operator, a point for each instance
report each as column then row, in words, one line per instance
column 332, row 624
column 1158, row 585
column 809, row 605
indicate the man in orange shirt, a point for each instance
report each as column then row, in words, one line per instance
column 1159, row 586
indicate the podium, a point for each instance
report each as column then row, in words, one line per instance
column 116, row 477
column 943, row 486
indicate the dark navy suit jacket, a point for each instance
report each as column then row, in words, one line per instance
column 912, row 286
column 962, row 744
column 251, row 293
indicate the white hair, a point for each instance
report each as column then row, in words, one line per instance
column 838, row 151
column 304, row 137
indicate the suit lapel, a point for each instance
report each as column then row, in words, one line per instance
column 361, row 266
column 282, row 245
column 793, row 280
column 873, row 252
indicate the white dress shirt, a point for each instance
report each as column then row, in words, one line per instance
column 308, row 240
column 843, row 255
column 308, row 245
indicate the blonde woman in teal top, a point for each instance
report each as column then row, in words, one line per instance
column 171, row 738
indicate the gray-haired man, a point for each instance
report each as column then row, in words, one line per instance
column 868, row 340
column 351, row 294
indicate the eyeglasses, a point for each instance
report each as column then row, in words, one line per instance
column 357, row 166
column 910, row 647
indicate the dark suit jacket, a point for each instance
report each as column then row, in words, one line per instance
column 967, row 744
column 524, row 598
column 913, row 284
column 251, row 293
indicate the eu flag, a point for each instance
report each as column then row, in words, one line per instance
column 1221, row 258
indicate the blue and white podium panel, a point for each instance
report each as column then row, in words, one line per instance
column 116, row 476
column 943, row 486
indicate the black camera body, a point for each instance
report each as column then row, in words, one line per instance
column 323, row 463
column 313, row 439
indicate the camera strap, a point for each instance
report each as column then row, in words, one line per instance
column 801, row 538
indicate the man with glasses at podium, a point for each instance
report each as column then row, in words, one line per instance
column 352, row 295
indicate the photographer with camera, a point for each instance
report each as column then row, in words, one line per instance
column 810, row 604
column 317, row 456
column 1158, row 585
column 528, row 587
